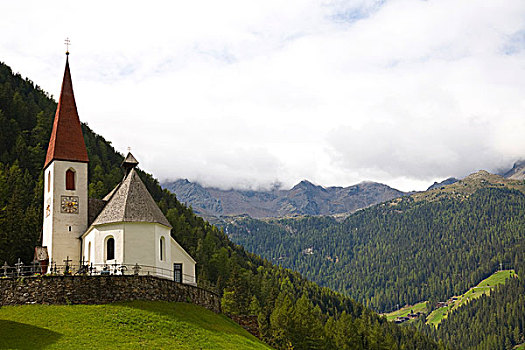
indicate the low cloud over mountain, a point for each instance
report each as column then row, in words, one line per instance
column 305, row 198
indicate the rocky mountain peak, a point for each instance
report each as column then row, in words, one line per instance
column 517, row 172
column 305, row 198
column 445, row 182
column 305, row 184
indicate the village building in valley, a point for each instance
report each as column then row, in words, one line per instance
column 125, row 230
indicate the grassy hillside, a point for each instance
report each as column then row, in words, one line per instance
column 405, row 310
column 437, row 315
column 482, row 288
column 131, row 325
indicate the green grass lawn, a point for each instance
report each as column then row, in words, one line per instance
column 438, row 315
column 129, row 325
column 483, row 287
column 421, row 307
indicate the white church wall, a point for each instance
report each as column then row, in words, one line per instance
column 179, row 255
column 98, row 237
column 165, row 265
column 139, row 243
column 62, row 230
column 142, row 246
column 89, row 248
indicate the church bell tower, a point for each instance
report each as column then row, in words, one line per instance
column 65, row 181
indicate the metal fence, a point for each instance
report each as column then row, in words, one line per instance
column 90, row 269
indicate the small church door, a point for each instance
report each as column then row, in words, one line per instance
column 177, row 272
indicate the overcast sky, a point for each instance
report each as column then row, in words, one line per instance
column 247, row 94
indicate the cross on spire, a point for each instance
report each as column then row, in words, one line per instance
column 67, row 42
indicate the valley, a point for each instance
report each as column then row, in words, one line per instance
column 425, row 246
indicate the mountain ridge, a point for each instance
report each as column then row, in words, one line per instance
column 517, row 172
column 304, row 198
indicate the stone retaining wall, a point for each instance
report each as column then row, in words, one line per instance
column 101, row 290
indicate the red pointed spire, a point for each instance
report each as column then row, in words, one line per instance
column 67, row 142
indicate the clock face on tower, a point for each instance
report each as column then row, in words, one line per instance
column 69, row 204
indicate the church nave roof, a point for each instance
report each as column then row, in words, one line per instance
column 131, row 201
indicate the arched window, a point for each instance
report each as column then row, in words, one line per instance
column 110, row 249
column 49, row 181
column 70, row 179
column 162, row 248
column 89, row 252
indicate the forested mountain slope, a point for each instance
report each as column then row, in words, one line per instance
column 427, row 246
column 291, row 310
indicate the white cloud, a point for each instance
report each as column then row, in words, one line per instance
column 244, row 93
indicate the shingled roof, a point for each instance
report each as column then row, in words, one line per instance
column 66, row 142
column 130, row 201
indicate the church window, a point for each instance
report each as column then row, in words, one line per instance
column 70, row 179
column 162, row 248
column 48, row 181
column 89, row 252
column 110, row 249
column 69, row 228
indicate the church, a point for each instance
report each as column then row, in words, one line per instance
column 125, row 230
